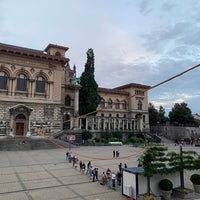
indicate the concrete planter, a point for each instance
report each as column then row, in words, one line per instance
column 148, row 197
column 185, row 193
column 196, row 188
column 166, row 194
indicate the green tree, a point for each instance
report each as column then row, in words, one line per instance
column 188, row 160
column 153, row 162
column 153, row 114
column 181, row 115
column 105, row 136
column 86, row 135
column 88, row 95
column 161, row 115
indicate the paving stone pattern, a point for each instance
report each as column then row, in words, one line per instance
column 46, row 175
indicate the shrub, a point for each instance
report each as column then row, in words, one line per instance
column 195, row 179
column 97, row 139
column 135, row 139
column 166, row 184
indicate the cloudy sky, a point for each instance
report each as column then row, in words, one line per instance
column 134, row 41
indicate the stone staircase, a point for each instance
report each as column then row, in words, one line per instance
column 30, row 143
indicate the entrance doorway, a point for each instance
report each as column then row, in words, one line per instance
column 66, row 122
column 19, row 128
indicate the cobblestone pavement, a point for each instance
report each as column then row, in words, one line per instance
column 45, row 174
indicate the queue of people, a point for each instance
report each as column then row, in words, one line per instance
column 108, row 178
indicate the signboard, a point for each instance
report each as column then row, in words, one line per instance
column 71, row 137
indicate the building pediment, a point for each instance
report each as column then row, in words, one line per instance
column 20, row 108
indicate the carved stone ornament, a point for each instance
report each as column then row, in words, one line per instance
column 52, row 66
column 50, row 72
column 32, row 70
column 13, row 67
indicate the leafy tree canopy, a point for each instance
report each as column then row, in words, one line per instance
column 181, row 115
column 86, row 135
column 155, row 116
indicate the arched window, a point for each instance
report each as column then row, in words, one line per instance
column 21, row 82
column 3, row 80
column 57, row 53
column 139, row 105
column 109, row 103
column 102, row 103
column 20, row 116
column 67, row 100
column 143, row 118
column 40, row 84
column 124, row 104
column 117, row 104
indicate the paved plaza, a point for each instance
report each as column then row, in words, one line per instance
column 46, row 175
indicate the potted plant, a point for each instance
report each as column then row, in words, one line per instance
column 166, row 187
column 195, row 179
column 153, row 162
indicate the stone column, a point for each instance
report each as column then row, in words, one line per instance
column 76, row 106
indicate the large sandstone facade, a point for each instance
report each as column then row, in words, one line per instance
column 33, row 88
column 37, row 89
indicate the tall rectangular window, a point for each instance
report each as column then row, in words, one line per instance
column 21, row 82
column 40, row 84
column 3, row 80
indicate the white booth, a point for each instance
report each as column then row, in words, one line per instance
column 134, row 183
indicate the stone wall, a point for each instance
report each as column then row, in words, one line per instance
column 175, row 132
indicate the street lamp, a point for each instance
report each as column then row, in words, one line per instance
column 4, row 122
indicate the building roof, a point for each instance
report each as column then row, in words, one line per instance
column 112, row 91
column 55, row 46
column 196, row 116
column 21, row 51
column 135, row 85
column 134, row 170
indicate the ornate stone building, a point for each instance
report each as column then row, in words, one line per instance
column 37, row 89
column 124, row 108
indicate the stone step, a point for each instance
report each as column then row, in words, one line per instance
column 25, row 143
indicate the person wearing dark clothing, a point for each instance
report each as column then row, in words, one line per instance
column 120, row 167
column 119, row 178
column 97, row 174
column 113, row 153
column 93, row 174
column 125, row 165
column 67, row 155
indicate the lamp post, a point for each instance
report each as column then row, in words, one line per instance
column 181, row 162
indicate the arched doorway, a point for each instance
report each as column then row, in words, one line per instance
column 66, row 122
column 20, row 124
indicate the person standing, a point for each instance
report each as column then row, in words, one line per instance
column 120, row 167
column 119, row 178
column 113, row 177
column 108, row 175
column 88, row 167
column 93, row 174
column 97, row 174
column 113, row 153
